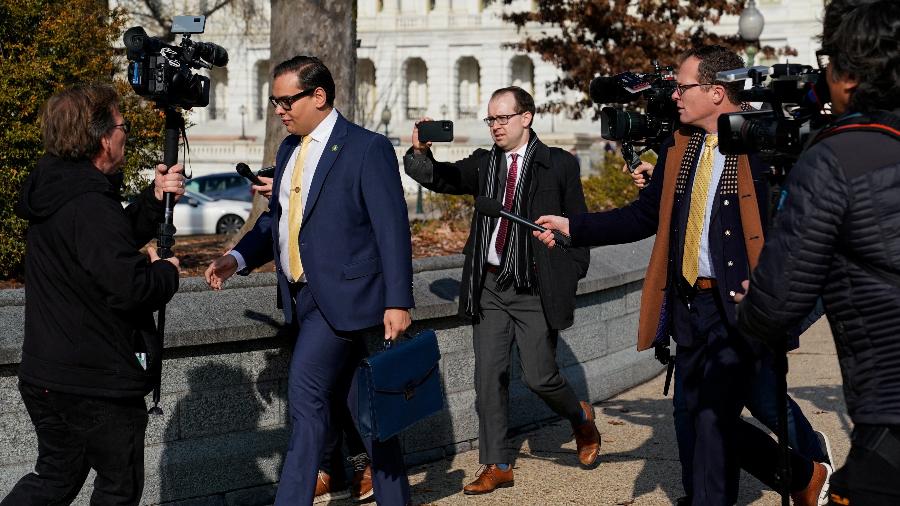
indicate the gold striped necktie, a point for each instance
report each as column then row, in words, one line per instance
column 690, row 263
column 295, row 210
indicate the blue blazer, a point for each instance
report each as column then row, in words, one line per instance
column 354, row 241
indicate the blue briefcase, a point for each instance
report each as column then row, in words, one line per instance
column 399, row 386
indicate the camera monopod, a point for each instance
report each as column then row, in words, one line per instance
column 779, row 355
column 166, row 237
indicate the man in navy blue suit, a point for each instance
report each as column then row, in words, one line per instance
column 338, row 231
column 708, row 211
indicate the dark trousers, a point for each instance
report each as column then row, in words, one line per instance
column 760, row 456
column 757, row 448
column 322, row 373
column 763, row 406
column 871, row 474
column 343, row 430
column 511, row 316
column 714, row 374
column 76, row 433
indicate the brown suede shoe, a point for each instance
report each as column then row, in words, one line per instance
column 361, row 487
column 328, row 490
column 809, row 496
column 587, row 437
column 490, row 478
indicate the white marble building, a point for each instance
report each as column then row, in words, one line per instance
column 440, row 58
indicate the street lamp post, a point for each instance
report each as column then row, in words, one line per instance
column 750, row 26
column 243, row 111
column 419, row 208
column 386, row 118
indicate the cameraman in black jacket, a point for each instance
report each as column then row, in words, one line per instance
column 91, row 351
column 837, row 235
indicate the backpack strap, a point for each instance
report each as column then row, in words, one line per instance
column 883, row 122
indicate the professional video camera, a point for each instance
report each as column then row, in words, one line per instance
column 794, row 100
column 633, row 128
column 162, row 72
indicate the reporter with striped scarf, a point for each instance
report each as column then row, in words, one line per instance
column 514, row 289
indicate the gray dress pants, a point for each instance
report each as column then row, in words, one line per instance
column 511, row 316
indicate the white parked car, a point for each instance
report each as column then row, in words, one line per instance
column 198, row 214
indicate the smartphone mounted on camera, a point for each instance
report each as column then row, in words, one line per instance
column 436, row 131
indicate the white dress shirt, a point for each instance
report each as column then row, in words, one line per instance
column 493, row 258
column 320, row 136
column 705, row 262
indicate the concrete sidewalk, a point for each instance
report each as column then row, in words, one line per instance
column 639, row 457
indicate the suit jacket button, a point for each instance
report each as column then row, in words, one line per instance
column 725, row 202
column 728, row 232
column 731, row 294
column 730, row 263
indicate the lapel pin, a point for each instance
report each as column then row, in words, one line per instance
column 334, row 147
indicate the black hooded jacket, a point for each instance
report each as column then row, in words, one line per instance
column 89, row 292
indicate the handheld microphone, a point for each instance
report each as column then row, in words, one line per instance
column 244, row 170
column 608, row 90
column 266, row 171
column 494, row 209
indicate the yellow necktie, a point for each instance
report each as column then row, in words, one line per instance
column 295, row 210
column 690, row 263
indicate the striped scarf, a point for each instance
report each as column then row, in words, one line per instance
column 514, row 266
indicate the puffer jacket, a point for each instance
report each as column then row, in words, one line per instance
column 837, row 235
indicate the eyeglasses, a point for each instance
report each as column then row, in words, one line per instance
column 681, row 88
column 287, row 102
column 500, row 118
column 823, row 58
column 124, row 126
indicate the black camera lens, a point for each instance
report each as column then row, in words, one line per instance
column 621, row 125
column 745, row 132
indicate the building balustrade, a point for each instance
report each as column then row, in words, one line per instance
column 416, row 112
column 467, row 112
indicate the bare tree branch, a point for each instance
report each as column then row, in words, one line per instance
column 158, row 14
column 611, row 36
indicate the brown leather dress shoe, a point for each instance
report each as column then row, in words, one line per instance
column 490, row 478
column 809, row 496
column 587, row 437
column 328, row 490
column 361, row 487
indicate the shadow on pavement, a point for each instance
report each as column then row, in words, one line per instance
column 825, row 398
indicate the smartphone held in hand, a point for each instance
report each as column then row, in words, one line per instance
column 436, row 131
